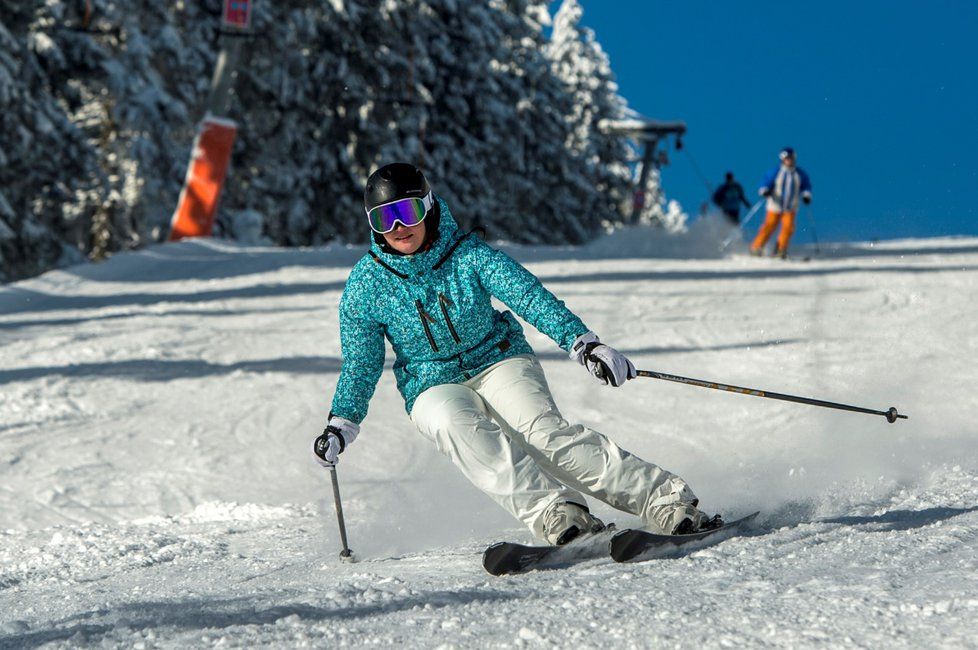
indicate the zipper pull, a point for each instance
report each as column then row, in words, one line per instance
column 425, row 315
column 444, row 302
column 426, row 318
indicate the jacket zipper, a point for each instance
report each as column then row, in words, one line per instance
column 425, row 319
column 443, row 302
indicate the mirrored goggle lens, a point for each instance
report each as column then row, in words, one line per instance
column 409, row 212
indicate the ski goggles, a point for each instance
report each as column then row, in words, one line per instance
column 409, row 212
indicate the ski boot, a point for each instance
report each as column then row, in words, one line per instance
column 679, row 518
column 686, row 526
column 780, row 252
column 565, row 521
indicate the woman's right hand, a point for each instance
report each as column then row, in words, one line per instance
column 335, row 438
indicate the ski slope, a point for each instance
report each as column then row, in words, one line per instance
column 157, row 489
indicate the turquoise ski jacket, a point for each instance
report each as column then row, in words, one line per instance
column 435, row 309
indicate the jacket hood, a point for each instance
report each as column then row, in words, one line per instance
column 410, row 265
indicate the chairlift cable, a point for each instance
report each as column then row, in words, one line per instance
column 699, row 172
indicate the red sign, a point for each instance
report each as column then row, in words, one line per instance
column 237, row 14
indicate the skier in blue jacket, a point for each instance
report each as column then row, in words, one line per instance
column 782, row 187
column 471, row 382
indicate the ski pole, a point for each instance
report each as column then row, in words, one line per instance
column 740, row 226
column 346, row 554
column 811, row 218
column 891, row 414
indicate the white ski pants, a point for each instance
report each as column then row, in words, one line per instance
column 503, row 431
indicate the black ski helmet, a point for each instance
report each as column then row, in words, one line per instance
column 394, row 182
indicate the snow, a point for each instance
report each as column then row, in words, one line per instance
column 156, row 414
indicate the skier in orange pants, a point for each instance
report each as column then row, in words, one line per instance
column 787, row 220
column 782, row 186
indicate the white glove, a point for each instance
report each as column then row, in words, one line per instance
column 606, row 364
column 337, row 436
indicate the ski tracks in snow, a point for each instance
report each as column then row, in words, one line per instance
column 248, row 575
column 156, row 413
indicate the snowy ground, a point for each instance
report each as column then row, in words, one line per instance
column 156, row 413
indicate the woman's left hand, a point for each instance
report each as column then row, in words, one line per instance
column 604, row 363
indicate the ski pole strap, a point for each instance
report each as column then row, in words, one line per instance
column 891, row 414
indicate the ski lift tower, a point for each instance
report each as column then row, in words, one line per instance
column 647, row 133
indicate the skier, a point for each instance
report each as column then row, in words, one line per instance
column 782, row 186
column 472, row 384
column 729, row 196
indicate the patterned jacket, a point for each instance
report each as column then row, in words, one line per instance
column 786, row 186
column 435, row 309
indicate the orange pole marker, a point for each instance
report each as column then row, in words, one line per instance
column 209, row 161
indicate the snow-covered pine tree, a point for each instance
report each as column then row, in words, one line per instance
column 554, row 188
column 583, row 65
column 44, row 160
column 659, row 210
column 299, row 102
column 96, row 120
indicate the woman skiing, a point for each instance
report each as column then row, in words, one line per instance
column 471, row 382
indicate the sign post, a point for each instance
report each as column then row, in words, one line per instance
column 211, row 153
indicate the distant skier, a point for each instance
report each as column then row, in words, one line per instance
column 729, row 197
column 783, row 186
column 471, row 382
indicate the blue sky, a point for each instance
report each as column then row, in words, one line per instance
column 880, row 99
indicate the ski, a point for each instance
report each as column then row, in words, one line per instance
column 635, row 544
column 775, row 258
column 504, row 558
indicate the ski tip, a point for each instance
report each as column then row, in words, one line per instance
column 493, row 569
column 503, row 558
column 491, row 558
column 749, row 519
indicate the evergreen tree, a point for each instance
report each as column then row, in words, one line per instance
column 591, row 96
